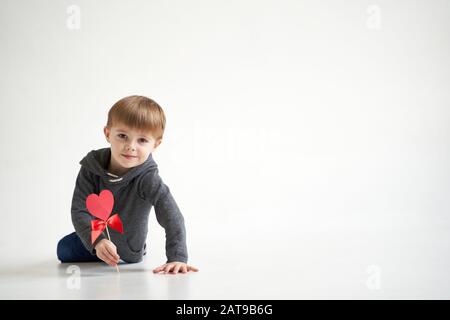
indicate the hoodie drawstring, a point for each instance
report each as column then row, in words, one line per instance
column 113, row 175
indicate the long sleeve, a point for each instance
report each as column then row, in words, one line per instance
column 169, row 217
column 81, row 218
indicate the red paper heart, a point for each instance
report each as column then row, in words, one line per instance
column 100, row 206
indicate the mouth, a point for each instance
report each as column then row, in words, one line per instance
column 128, row 157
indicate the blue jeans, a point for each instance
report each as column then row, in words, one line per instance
column 71, row 249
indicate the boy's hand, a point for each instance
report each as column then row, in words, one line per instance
column 175, row 267
column 107, row 251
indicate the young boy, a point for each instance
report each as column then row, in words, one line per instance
column 134, row 130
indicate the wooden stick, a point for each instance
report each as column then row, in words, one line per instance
column 109, row 238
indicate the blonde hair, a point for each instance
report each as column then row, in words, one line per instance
column 138, row 112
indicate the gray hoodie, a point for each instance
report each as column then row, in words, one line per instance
column 134, row 195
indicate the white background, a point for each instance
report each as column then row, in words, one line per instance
column 307, row 142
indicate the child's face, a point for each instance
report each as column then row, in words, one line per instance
column 129, row 142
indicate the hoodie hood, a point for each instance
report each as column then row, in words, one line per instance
column 97, row 162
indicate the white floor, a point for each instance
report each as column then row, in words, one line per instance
column 377, row 264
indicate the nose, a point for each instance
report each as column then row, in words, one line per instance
column 131, row 147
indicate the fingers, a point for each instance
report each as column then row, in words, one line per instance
column 168, row 268
column 191, row 268
column 159, row 269
column 101, row 254
column 112, row 261
column 107, row 252
column 175, row 268
column 112, row 252
column 164, row 268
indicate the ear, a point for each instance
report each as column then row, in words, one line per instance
column 157, row 143
column 106, row 131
